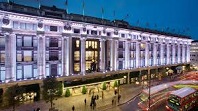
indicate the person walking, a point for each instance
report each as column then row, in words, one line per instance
column 73, row 108
column 85, row 101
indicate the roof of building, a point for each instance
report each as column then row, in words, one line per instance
column 183, row 92
column 195, row 41
column 54, row 12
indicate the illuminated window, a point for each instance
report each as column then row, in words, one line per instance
column 88, row 65
column 77, row 55
column 77, row 43
column 76, row 67
column 2, row 56
column 96, row 45
column 19, row 57
column 142, row 46
column 27, row 55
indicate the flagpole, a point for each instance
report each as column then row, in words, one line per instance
column 66, row 3
column 102, row 13
column 83, row 8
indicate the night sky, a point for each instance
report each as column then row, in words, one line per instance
column 175, row 16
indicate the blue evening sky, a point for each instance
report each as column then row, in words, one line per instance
column 175, row 16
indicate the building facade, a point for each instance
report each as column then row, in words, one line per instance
column 194, row 53
column 36, row 43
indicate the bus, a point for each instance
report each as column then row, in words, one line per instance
column 184, row 99
column 157, row 94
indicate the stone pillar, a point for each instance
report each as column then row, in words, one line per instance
column 178, row 53
column 161, row 54
column 112, row 54
column 188, row 52
column 137, row 56
column 68, row 55
column 9, row 72
column 183, row 53
column 147, row 54
column 102, row 55
column 167, row 53
column 154, row 54
column 41, row 56
column 173, row 53
column 116, row 55
column 127, row 54
column 63, row 56
column 83, row 55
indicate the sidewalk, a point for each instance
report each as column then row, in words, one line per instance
column 65, row 104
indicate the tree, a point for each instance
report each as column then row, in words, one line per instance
column 84, row 90
column 115, row 84
column 51, row 89
column 13, row 96
column 67, row 93
column 104, row 87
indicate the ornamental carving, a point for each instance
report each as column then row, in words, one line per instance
column 67, row 26
column 6, row 21
column 40, row 25
column 115, row 32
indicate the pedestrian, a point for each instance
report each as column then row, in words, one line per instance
column 73, row 108
column 112, row 101
column 119, row 96
column 85, row 101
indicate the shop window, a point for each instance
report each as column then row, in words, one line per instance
column 27, row 56
column 76, row 55
column 76, row 67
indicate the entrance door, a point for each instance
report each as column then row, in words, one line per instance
column 54, row 70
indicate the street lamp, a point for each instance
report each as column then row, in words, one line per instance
column 149, row 98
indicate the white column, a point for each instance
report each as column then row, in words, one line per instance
column 188, row 52
column 41, row 56
column 9, row 74
column 102, row 55
column 68, row 55
column 168, row 54
column 146, row 54
column 63, row 56
column 83, row 55
column 137, row 55
column 112, row 54
column 161, row 53
column 173, row 53
column 183, row 53
column 13, row 53
column 115, row 55
column 154, row 54
column 127, row 54
column 178, row 54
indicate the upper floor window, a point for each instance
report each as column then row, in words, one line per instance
column 2, row 41
column 53, row 28
column 76, row 30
